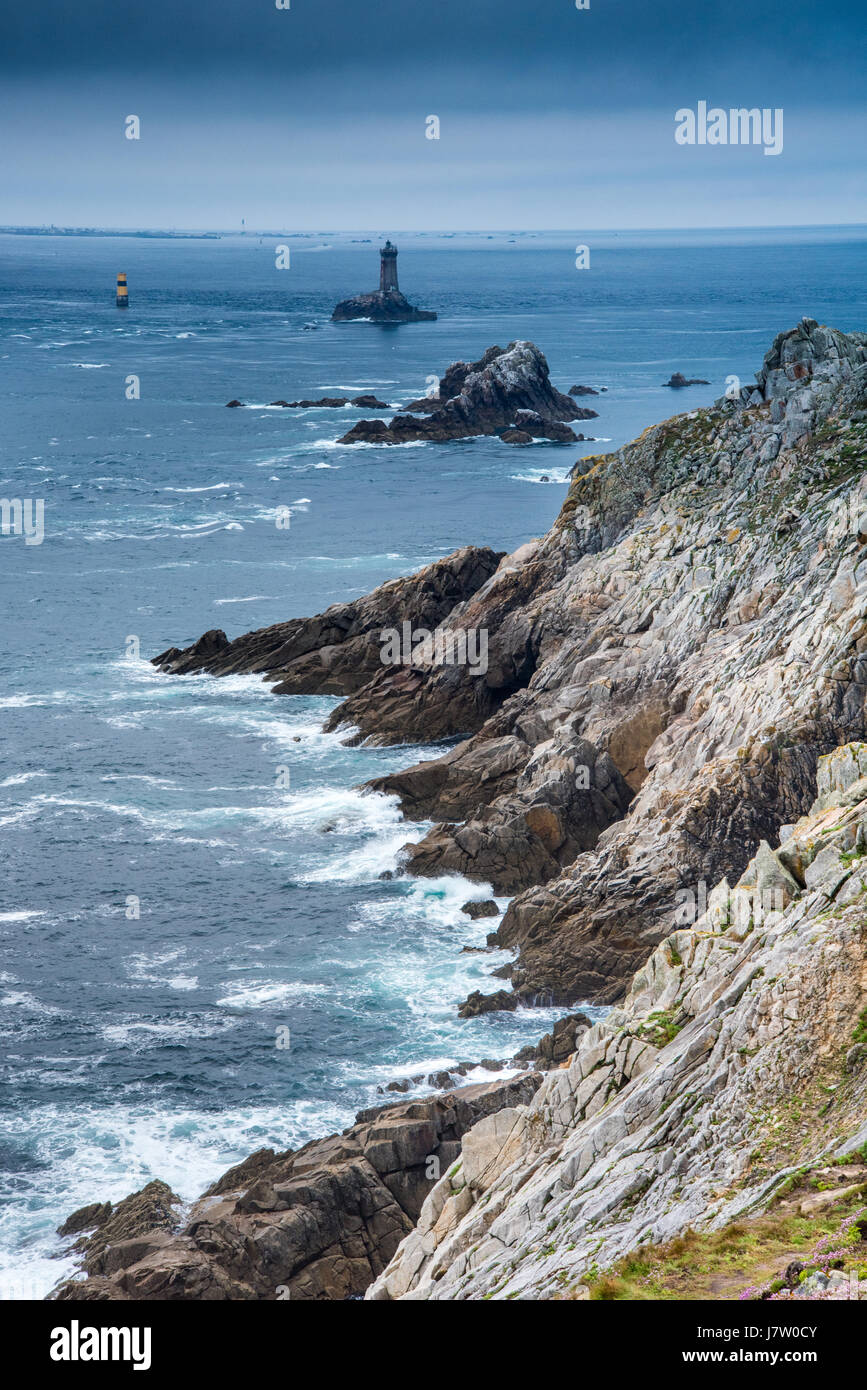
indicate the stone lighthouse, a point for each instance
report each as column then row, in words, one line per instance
column 385, row 305
column 388, row 267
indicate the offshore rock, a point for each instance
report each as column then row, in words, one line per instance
column 332, row 402
column 380, row 306
column 677, row 379
column 483, row 397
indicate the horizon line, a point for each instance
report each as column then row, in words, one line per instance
column 11, row 227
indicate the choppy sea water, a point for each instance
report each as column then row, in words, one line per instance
column 135, row 1046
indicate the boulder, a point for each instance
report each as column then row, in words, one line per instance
column 478, row 1003
column 481, row 909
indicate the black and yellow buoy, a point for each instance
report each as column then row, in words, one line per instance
column 122, row 292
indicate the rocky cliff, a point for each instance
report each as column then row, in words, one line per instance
column 662, row 670
column 667, row 674
column 737, row 1063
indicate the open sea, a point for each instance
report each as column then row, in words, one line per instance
column 167, row 902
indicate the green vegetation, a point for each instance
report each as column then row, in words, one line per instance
column 720, row 1265
column 659, row 1028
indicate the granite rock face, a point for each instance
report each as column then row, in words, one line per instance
column 504, row 390
column 319, row 1223
column 676, row 1111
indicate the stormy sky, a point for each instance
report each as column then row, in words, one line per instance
column 313, row 117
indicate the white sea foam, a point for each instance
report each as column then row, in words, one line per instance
column 139, row 777
column 19, row 778
column 543, row 475
column 252, row 598
column 255, row 994
column 213, row 487
column 21, row 999
column 138, row 1033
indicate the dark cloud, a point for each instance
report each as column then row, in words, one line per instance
column 378, row 47
column 313, row 116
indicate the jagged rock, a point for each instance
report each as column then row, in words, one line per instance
column 233, row 405
column 86, row 1219
column 503, row 389
column 856, row 1057
column 317, row 1223
column 135, row 1225
column 583, row 391
column 553, row 813
column 537, row 427
column 557, row 1046
column 339, row 650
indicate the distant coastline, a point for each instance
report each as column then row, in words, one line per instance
column 95, row 231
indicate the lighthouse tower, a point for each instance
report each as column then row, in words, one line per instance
column 122, row 292
column 388, row 267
